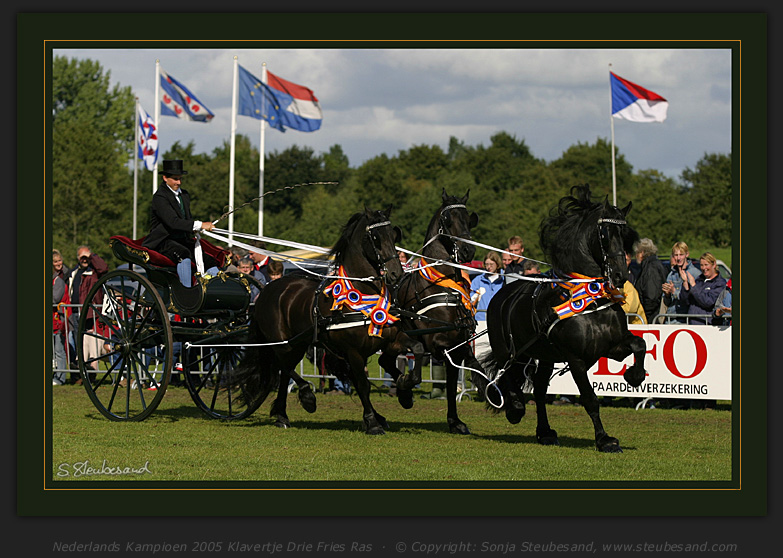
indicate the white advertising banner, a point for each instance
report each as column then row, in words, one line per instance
column 682, row 362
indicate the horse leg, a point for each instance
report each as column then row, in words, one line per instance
column 512, row 382
column 374, row 423
column 278, row 410
column 411, row 379
column 465, row 355
column 635, row 374
column 544, row 433
column 306, row 395
column 388, row 361
column 603, row 441
column 456, row 426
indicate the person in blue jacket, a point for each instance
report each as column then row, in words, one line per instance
column 701, row 293
column 483, row 288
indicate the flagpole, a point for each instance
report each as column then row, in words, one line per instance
column 136, row 168
column 157, row 125
column 611, row 120
column 233, row 150
column 261, row 159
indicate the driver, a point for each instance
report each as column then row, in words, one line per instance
column 171, row 223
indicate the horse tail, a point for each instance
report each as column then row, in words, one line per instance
column 336, row 366
column 256, row 375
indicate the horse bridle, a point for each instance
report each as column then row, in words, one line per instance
column 603, row 238
column 442, row 229
column 380, row 263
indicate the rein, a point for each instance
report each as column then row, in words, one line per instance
column 379, row 261
column 604, row 236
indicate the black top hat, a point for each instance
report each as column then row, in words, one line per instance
column 173, row 167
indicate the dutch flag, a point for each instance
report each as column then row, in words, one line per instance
column 635, row 103
column 299, row 107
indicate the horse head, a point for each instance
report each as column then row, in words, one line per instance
column 379, row 244
column 588, row 237
column 613, row 241
column 451, row 223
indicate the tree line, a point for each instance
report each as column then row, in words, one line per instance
column 510, row 188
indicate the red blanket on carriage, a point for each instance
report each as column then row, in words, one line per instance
column 132, row 251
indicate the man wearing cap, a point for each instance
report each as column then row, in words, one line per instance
column 171, row 223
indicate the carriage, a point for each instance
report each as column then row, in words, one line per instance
column 136, row 323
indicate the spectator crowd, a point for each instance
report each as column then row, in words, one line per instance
column 687, row 293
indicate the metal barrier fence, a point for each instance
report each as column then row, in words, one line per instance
column 309, row 369
column 686, row 318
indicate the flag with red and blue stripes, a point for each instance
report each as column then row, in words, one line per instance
column 299, row 107
column 635, row 103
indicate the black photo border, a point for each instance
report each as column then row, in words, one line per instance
column 745, row 33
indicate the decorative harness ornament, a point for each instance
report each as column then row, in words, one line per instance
column 375, row 307
column 579, row 295
column 434, row 276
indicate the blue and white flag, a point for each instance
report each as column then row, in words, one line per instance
column 148, row 139
column 635, row 103
column 177, row 100
column 281, row 103
column 257, row 100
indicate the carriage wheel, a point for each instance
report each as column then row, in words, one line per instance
column 208, row 371
column 124, row 349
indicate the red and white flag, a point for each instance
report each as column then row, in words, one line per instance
column 148, row 139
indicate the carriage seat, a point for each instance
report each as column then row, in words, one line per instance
column 132, row 251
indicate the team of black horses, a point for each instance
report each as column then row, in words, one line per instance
column 370, row 305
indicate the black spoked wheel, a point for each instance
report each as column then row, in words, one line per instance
column 208, row 372
column 124, row 343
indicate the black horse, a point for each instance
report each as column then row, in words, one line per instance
column 294, row 312
column 434, row 302
column 584, row 239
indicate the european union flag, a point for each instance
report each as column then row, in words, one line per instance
column 257, row 100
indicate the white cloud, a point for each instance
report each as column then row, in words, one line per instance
column 385, row 100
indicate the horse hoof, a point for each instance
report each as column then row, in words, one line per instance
column 375, row 431
column 382, row 421
column 611, row 449
column 514, row 415
column 634, row 376
column 403, row 383
column 517, row 403
column 548, row 438
column 459, row 428
column 307, row 400
column 407, row 382
column 405, row 397
column 281, row 424
column 609, row 445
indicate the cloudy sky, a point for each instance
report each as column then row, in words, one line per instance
column 383, row 101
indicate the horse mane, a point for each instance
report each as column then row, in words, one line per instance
column 343, row 243
column 561, row 239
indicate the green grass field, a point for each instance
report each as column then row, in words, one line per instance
column 178, row 443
